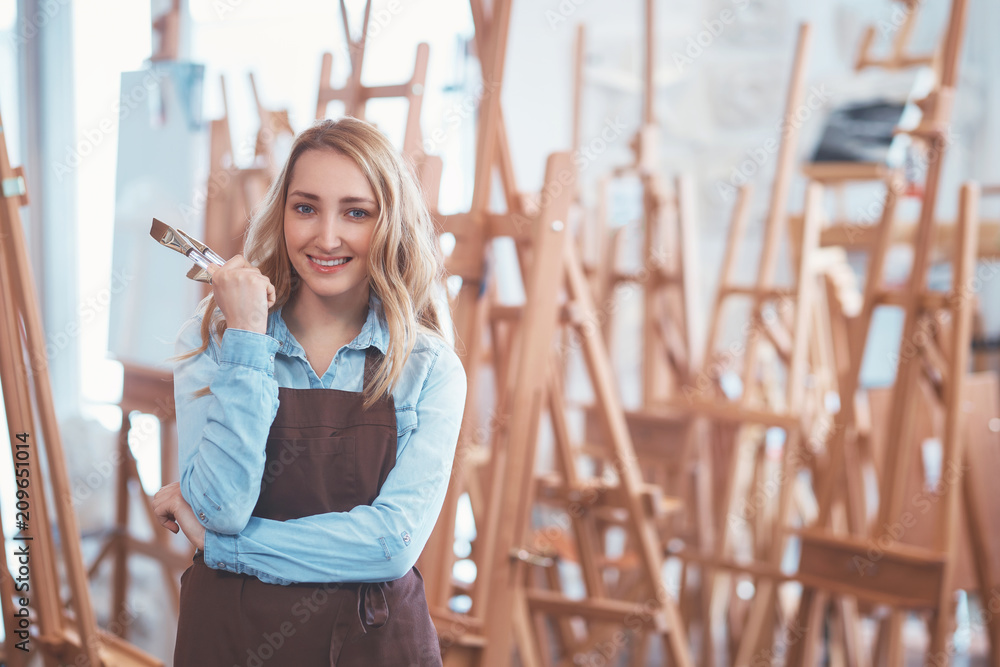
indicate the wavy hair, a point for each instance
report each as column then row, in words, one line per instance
column 405, row 264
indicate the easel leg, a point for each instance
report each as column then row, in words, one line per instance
column 889, row 645
column 119, row 585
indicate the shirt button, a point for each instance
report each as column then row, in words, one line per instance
column 406, row 538
column 221, row 564
column 201, row 515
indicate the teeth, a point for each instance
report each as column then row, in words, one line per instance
column 332, row 262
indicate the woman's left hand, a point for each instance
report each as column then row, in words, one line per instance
column 174, row 512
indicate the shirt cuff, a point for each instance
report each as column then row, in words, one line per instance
column 248, row 348
column 220, row 551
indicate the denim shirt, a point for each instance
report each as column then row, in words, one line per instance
column 221, row 446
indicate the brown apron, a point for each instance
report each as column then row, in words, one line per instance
column 325, row 453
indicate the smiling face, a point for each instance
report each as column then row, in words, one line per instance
column 330, row 214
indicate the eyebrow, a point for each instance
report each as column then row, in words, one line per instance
column 343, row 200
column 358, row 200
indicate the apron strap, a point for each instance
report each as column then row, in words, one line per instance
column 372, row 613
column 373, row 608
column 371, row 358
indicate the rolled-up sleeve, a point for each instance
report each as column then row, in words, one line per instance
column 222, row 435
column 377, row 542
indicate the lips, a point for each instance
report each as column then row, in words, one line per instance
column 328, row 265
column 330, row 262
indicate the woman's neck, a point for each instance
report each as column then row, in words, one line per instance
column 309, row 318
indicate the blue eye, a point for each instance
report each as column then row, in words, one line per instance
column 305, row 209
column 357, row 213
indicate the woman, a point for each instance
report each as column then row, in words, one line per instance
column 318, row 410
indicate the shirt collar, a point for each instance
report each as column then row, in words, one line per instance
column 373, row 333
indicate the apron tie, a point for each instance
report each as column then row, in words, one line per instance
column 373, row 609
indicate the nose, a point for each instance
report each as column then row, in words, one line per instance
column 328, row 236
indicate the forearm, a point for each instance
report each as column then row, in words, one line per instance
column 223, row 435
column 369, row 543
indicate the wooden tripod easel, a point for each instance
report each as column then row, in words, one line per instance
column 512, row 600
column 671, row 342
column 669, row 338
column 898, row 57
column 472, row 231
column 900, row 575
column 851, row 424
column 794, row 413
column 232, row 192
column 840, row 174
column 905, row 577
column 355, row 95
column 505, row 606
column 701, row 419
column 149, row 391
column 61, row 634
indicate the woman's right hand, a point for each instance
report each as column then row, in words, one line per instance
column 243, row 293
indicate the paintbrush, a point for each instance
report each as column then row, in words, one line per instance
column 195, row 250
column 199, row 274
column 209, row 254
column 196, row 272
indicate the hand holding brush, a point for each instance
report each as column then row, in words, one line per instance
column 242, row 292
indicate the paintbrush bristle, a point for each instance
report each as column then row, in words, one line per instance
column 166, row 236
column 159, row 229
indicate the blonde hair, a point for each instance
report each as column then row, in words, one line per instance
column 405, row 264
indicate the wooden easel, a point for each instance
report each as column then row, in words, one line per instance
column 60, row 634
column 794, row 413
column 671, row 343
column 150, row 391
column 850, row 439
column 782, row 317
column 824, row 550
column 503, row 606
column 977, row 558
column 472, row 231
column 898, row 57
column 472, row 319
column 904, row 576
column 511, row 600
column 671, row 347
column 273, row 124
column 355, row 96
column 840, row 174
column 702, row 418
column 232, row 192
column 473, row 473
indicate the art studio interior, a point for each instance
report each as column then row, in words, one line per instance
column 488, row 333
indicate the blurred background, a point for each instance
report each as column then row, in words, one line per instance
column 114, row 126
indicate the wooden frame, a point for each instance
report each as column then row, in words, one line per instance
column 60, row 633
